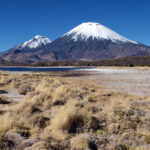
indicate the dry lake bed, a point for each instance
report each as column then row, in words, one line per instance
column 134, row 81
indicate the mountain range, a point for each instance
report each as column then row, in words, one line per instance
column 87, row 42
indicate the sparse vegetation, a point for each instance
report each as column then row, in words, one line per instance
column 59, row 113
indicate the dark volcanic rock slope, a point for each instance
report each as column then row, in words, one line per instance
column 66, row 48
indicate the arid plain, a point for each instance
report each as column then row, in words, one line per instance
column 102, row 108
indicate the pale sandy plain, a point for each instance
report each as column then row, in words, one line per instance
column 134, row 81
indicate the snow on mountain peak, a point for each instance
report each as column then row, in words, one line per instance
column 37, row 41
column 95, row 30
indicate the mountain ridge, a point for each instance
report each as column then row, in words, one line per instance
column 88, row 41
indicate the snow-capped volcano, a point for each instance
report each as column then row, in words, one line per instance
column 35, row 42
column 96, row 31
column 92, row 41
column 26, row 52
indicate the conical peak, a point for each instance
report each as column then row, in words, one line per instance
column 96, row 31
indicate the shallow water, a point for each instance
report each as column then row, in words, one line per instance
column 43, row 69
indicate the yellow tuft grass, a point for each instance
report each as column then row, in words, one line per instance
column 64, row 119
column 79, row 143
column 63, row 122
column 7, row 122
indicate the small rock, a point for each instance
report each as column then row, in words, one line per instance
column 3, row 92
column 3, row 101
column 23, row 90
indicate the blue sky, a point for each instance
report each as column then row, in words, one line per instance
column 20, row 20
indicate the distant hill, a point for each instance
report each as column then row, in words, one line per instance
column 127, row 61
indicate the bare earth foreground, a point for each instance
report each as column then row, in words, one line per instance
column 62, row 111
column 134, row 81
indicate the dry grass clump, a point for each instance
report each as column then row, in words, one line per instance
column 79, row 143
column 7, row 122
column 69, row 119
column 147, row 139
column 65, row 114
